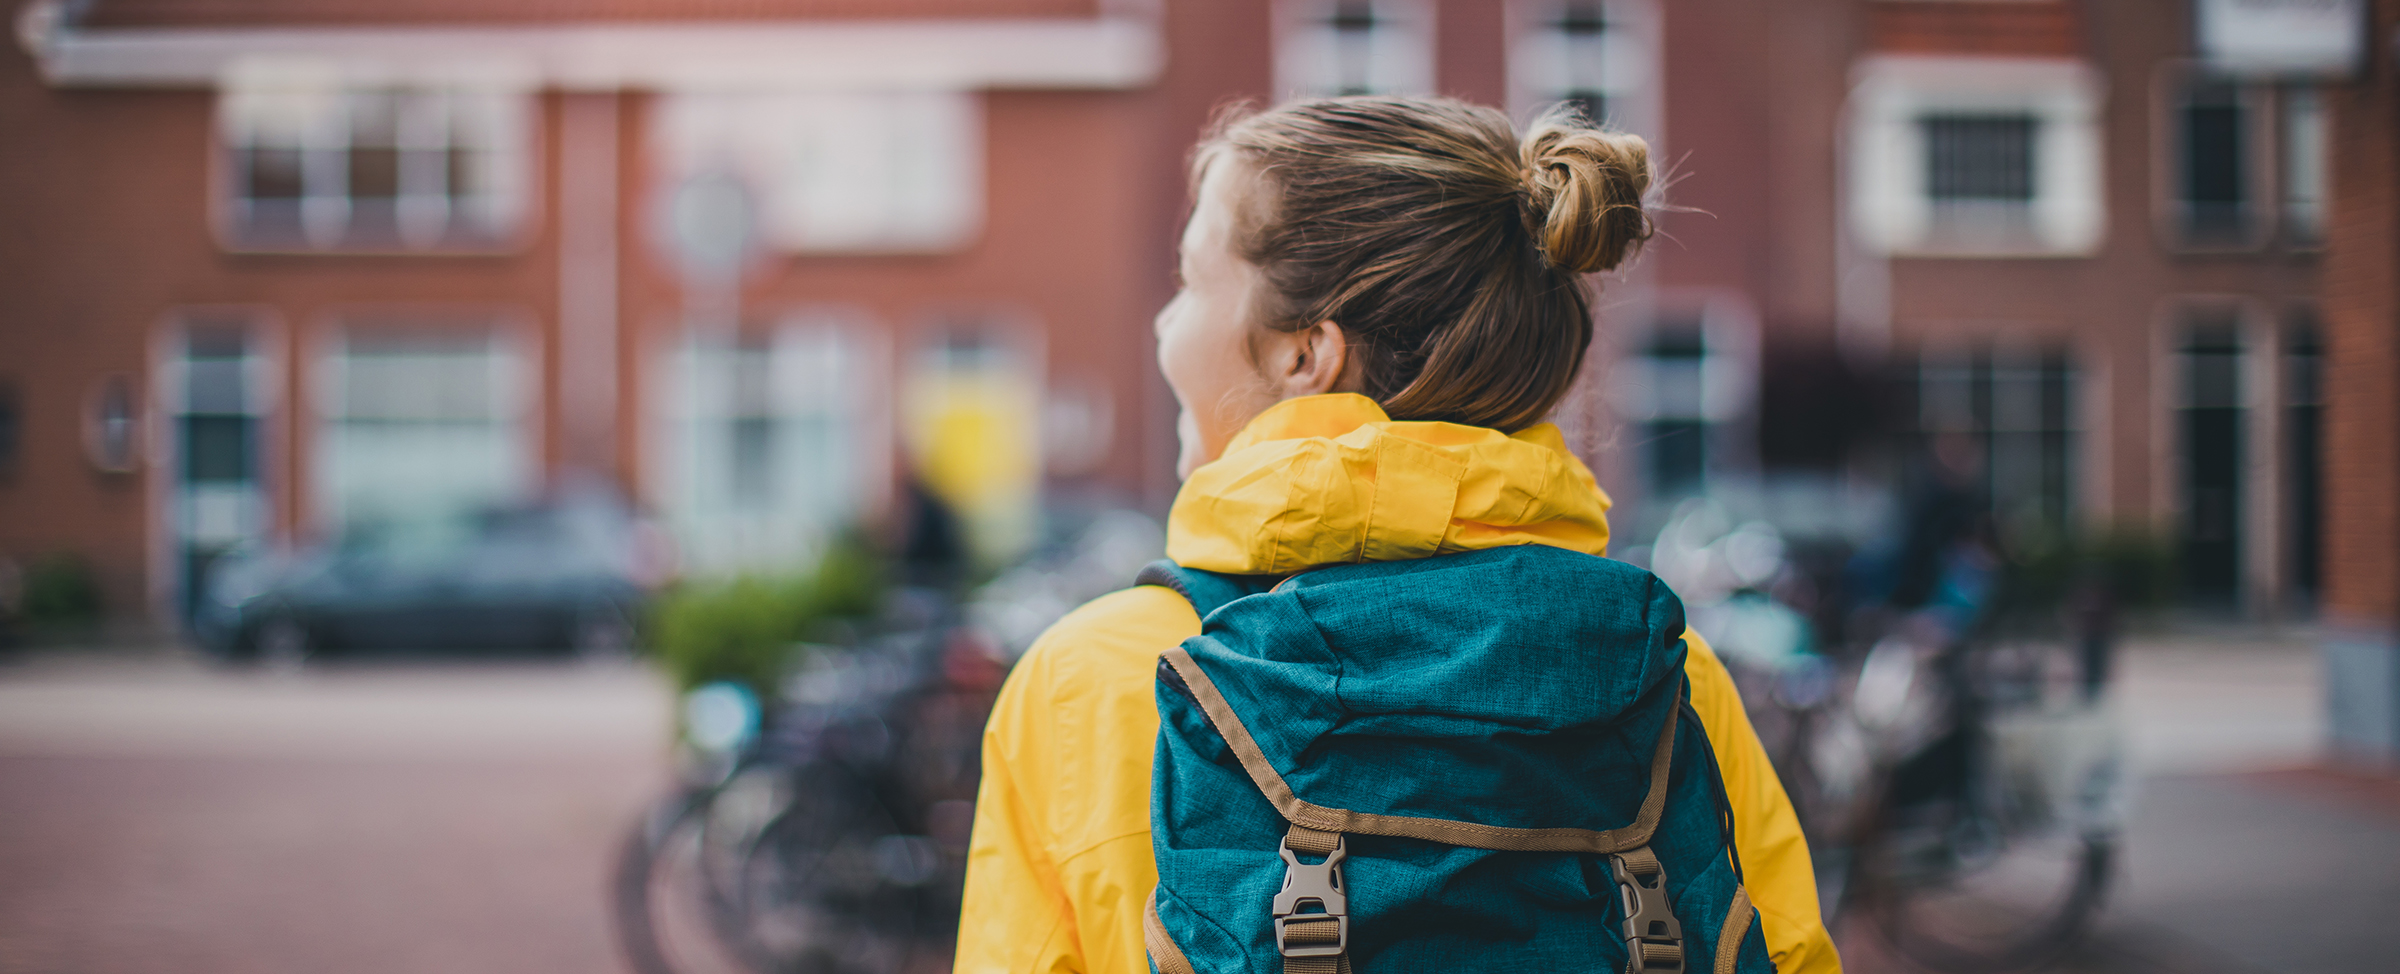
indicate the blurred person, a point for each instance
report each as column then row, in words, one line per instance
column 933, row 544
column 1943, row 564
column 1946, row 511
column 1380, row 300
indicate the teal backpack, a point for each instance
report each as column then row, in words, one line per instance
column 1471, row 762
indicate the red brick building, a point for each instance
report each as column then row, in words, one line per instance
column 279, row 264
column 2362, row 395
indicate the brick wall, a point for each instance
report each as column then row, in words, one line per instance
column 2362, row 321
column 1973, row 27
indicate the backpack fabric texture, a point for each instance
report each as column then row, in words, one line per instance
column 1471, row 742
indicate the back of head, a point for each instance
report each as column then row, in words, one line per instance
column 1450, row 248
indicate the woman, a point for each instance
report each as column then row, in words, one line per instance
column 1380, row 300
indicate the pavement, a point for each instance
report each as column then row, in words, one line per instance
column 2247, row 850
column 157, row 814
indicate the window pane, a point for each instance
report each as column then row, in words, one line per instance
column 2214, row 179
column 1980, row 157
column 1678, row 455
column 2213, row 154
column 272, row 172
column 216, row 448
column 374, row 172
column 2304, row 166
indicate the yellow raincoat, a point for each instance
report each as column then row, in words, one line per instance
column 1060, row 863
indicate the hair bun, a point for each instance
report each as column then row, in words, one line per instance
column 1585, row 186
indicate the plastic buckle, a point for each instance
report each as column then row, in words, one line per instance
column 1649, row 918
column 1321, row 884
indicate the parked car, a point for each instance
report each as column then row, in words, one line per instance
column 554, row 575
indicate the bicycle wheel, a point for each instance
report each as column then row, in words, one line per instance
column 677, row 889
column 830, row 885
column 2005, row 872
column 2019, row 910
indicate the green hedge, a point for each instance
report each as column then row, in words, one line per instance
column 2134, row 565
column 746, row 629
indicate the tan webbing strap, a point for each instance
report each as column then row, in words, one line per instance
column 1737, row 927
column 1450, row 832
column 1318, row 934
column 1164, row 954
column 1304, row 839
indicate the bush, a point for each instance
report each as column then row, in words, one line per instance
column 61, row 592
column 746, row 629
column 2135, row 567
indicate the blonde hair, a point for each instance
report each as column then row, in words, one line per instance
column 1448, row 247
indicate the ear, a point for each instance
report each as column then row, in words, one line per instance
column 1314, row 360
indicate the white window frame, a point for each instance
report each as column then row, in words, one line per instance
column 1889, row 202
column 1399, row 60
column 513, row 409
column 1628, row 74
column 308, row 108
column 822, row 366
column 2304, row 166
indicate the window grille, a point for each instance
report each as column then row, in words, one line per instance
column 1980, row 158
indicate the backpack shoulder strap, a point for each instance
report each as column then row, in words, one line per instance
column 1206, row 591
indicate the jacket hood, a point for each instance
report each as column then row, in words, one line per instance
column 1332, row 479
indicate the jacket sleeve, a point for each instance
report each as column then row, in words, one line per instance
column 1775, row 862
column 1015, row 917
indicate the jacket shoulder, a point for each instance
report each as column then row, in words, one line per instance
column 1079, row 716
column 1110, row 633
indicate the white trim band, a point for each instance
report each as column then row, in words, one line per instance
column 1109, row 52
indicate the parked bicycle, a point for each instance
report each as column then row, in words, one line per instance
column 823, row 834
column 1954, row 764
column 826, row 831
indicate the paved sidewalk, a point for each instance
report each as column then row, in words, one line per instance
column 159, row 816
column 2246, row 853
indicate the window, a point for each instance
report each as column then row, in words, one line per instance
column 1975, row 157
column 1677, row 432
column 1688, row 392
column 2304, row 451
column 216, row 403
column 1979, row 159
column 767, row 439
column 2243, row 164
column 1980, row 177
column 1354, row 47
column 323, row 166
column 2018, row 403
column 2210, row 428
column 422, row 419
column 2213, row 202
column 2304, row 167
column 1593, row 54
column 839, row 172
